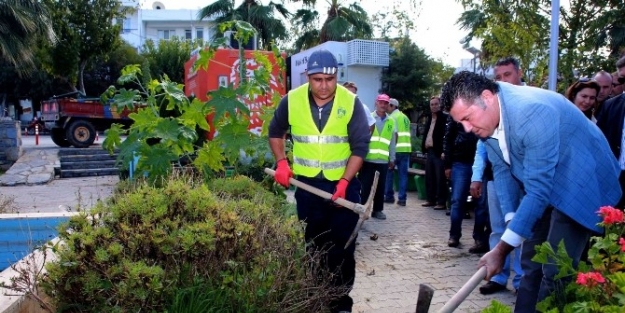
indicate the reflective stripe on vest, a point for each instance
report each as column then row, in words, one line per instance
column 403, row 131
column 317, row 152
column 380, row 142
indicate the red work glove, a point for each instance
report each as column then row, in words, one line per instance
column 283, row 173
column 341, row 187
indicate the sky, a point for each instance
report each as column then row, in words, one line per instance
column 436, row 31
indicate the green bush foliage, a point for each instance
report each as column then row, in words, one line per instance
column 150, row 246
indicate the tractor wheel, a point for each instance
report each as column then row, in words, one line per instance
column 81, row 134
column 58, row 137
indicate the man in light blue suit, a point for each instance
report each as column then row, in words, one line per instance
column 538, row 141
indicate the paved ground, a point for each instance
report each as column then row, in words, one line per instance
column 411, row 248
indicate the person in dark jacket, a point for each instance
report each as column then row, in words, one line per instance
column 610, row 121
column 458, row 154
column 432, row 146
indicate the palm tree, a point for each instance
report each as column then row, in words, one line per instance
column 22, row 23
column 261, row 16
column 343, row 23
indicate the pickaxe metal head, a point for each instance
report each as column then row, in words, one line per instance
column 363, row 210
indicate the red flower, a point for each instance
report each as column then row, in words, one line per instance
column 610, row 215
column 622, row 243
column 589, row 279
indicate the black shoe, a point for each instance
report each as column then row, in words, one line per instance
column 401, row 202
column 448, row 212
column 439, row 207
column 492, row 287
column 428, row 204
column 387, row 200
column 479, row 247
column 467, row 216
column 453, row 242
column 379, row 215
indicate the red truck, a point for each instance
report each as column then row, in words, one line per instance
column 74, row 121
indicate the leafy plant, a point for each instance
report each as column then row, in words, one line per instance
column 149, row 249
column 169, row 128
column 497, row 307
column 596, row 286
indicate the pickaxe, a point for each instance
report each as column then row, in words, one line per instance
column 363, row 210
column 426, row 293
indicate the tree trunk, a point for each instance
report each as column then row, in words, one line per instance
column 81, row 80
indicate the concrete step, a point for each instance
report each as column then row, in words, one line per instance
column 111, row 171
column 87, row 158
column 82, row 151
column 67, row 165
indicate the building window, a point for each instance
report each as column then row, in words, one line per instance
column 199, row 33
column 166, row 34
column 187, row 34
column 127, row 25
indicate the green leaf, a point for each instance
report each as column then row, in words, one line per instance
column 543, row 253
column 125, row 98
column 113, row 137
column 225, row 101
column 144, row 118
column 236, row 136
column 156, row 160
column 210, row 156
column 129, row 74
column 167, row 129
column 196, row 113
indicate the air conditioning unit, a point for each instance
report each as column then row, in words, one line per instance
column 251, row 44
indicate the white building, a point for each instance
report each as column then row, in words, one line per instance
column 360, row 61
column 160, row 23
column 473, row 65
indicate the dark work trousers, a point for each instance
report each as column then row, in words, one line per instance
column 365, row 176
column 621, row 180
column 328, row 228
column 435, row 180
column 538, row 279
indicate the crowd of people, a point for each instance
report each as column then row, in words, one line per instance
column 536, row 164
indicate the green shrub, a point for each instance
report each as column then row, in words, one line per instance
column 150, row 246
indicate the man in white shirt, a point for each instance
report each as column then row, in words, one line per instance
column 538, row 141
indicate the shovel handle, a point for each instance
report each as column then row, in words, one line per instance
column 464, row 292
column 316, row 191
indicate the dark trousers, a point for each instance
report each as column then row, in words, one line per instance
column 621, row 180
column 328, row 228
column 435, row 180
column 365, row 176
column 538, row 279
column 481, row 227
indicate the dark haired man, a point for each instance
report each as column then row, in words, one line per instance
column 611, row 122
column 330, row 140
column 538, row 141
column 506, row 70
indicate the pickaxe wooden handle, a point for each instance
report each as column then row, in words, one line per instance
column 363, row 210
column 464, row 292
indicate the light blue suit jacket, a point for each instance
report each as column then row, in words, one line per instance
column 558, row 156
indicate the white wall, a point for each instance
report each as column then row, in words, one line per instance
column 367, row 78
column 368, row 81
column 145, row 23
column 300, row 60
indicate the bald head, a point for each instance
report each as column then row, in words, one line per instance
column 604, row 79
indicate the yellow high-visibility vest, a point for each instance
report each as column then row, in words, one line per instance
column 381, row 141
column 314, row 151
column 403, row 131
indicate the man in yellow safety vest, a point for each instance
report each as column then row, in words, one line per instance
column 330, row 136
column 381, row 156
column 402, row 156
